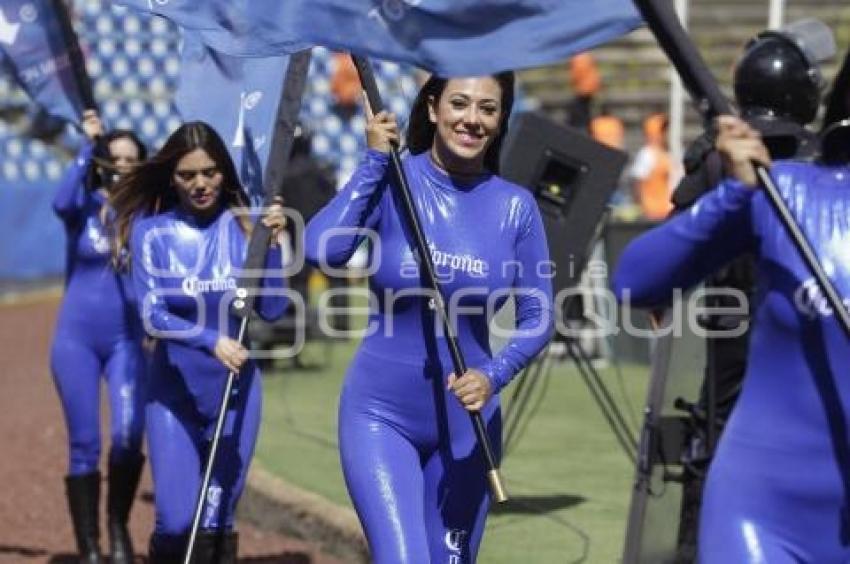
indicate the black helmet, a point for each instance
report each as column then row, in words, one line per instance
column 773, row 78
column 778, row 74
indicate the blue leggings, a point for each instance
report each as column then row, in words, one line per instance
column 178, row 441
column 77, row 365
column 411, row 462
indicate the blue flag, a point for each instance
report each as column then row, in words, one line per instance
column 239, row 97
column 449, row 37
column 32, row 46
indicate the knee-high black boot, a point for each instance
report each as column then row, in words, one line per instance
column 83, row 501
column 229, row 548
column 123, row 482
column 164, row 550
column 211, row 547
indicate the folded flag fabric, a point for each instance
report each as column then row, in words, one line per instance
column 33, row 47
column 449, row 37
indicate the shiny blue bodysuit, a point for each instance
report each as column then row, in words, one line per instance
column 185, row 271
column 97, row 333
column 408, row 449
column 778, row 486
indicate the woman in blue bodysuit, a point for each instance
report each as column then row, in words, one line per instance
column 408, row 449
column 777, row 490
column 98, row 333
column 183, row 215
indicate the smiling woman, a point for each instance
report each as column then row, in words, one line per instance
column 409, row 453
column 462, row 121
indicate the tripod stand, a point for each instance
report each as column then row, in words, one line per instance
column 521, row 409
column 676, row 445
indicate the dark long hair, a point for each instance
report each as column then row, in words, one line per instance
column 149, row 189
column 420, row 130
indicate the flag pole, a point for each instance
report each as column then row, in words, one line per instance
column 75, row 55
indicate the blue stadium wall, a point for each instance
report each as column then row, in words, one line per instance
column 134, row 63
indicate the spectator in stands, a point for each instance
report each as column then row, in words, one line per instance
column 345, row 85
column 652, row 169
column 98, row 334
column 586, row 83
column 310, row 186
column 607, row 128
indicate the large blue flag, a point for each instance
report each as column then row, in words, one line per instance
column 33, row 48
column 239, row 97
column 449, row 37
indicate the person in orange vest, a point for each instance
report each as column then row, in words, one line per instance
column 345, row 84
column 651, row 170
column 607, row 129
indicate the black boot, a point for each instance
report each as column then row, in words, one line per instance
column 207, row 547
column 229, row 548
column 164, row 550
column 83, row 500
column 123, row 481
column 215, row 547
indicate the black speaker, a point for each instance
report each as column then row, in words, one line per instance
column 572, row 178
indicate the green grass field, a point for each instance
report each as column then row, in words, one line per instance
column 569, row 481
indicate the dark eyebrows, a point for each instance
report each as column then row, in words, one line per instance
column 206, row 169
column 468, row 98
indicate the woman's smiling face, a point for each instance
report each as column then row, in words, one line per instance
column 467, row 117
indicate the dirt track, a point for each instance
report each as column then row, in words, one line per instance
column 34, row 523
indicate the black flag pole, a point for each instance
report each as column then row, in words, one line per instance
column 674, row 40
column 281, row 147
column 367, row 79
column 77, row 63
column 75, row 54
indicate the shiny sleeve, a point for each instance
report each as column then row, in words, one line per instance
column 532, row 292
column 148, row 266
column 70, row 198
column 335, row 232
column 687, row 248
